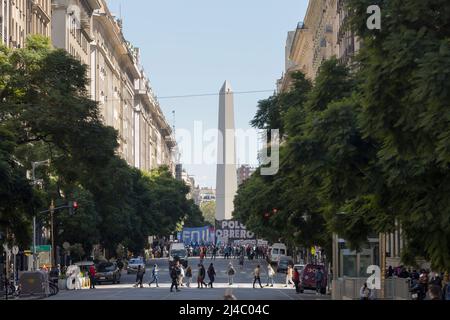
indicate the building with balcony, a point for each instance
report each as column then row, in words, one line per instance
column 71, row 27
column 20, row 18
column 321, row 36
column 113, row 71
column 39, row 17
column 154, row 138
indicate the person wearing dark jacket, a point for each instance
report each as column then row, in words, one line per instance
column 211, row 275
column 201, row 277
column 140, row 277
column 296, row 279
column 174, row 273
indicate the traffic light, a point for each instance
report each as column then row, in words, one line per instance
column 73, row 206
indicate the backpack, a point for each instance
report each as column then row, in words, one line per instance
column 231, row 272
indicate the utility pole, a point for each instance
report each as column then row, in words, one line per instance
column 52, row 211
column 34, row 165
column 383, row 263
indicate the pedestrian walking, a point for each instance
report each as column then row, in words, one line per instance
column 296, row 279
column 181, row 276
column 201, row 277
column 92, row 277
column 318, row 276
column 231, row 272
column 202, row 255
column 241, row 260
column 214, row 253
column 257, row 275
column 155, row 275
column 289, row 274
column 174, row 273
column 211, row 274
column 188, row 276
column 139, row 277
column 270, row 275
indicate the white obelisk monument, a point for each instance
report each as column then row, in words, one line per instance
column 226, row 183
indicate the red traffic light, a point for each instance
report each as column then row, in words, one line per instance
column 75, row 205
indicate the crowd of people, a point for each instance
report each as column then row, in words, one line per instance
column 424, row 281
column 229, row 251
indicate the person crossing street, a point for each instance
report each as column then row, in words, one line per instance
column 155, row 272
column 270, row 275
column 139, row 277
column 211, row 275
column 257, row 275
column 231, row 272
column 174, row 274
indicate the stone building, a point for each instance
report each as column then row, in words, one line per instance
column 20, row 18
column 321, row 36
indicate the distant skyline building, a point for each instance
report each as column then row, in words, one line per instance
column 226, row 183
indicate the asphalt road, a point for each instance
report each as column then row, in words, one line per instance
column 242, row 288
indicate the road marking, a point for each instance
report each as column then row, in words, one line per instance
column 290, row 298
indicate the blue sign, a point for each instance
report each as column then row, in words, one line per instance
column 197, row 235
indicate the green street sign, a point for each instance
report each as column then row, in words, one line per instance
column 45, row 248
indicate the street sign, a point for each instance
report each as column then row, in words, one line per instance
column 28, row 253
column 15, row 250
column 46, row 248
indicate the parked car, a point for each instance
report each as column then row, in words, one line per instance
column 134, row 264
column 308, row 278
column 283, row 263
column 107, row 272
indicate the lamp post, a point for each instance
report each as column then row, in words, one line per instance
column 34, row 165
column 52, row 211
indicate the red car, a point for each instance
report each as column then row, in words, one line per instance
column 308, row 278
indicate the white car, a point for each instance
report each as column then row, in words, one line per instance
column 134, row 264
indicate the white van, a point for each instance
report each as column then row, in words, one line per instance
column 178, row 251
column 277, row 250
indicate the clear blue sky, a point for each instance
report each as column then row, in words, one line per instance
column 192, row 47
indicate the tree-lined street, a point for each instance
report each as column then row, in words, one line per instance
column 242, row 288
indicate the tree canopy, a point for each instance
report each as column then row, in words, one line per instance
column 46, row 113
column 366, row 149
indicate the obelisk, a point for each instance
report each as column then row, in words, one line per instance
column 226, row 183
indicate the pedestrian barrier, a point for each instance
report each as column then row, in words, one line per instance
column 349, row 289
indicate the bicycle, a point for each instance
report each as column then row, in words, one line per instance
column 53, row 288
column 11, row 290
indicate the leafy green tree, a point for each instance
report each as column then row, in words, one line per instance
column 404, row 99
column 46, row 113
column 208, row 210
column 194, row 216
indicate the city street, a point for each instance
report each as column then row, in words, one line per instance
column 242, row 288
